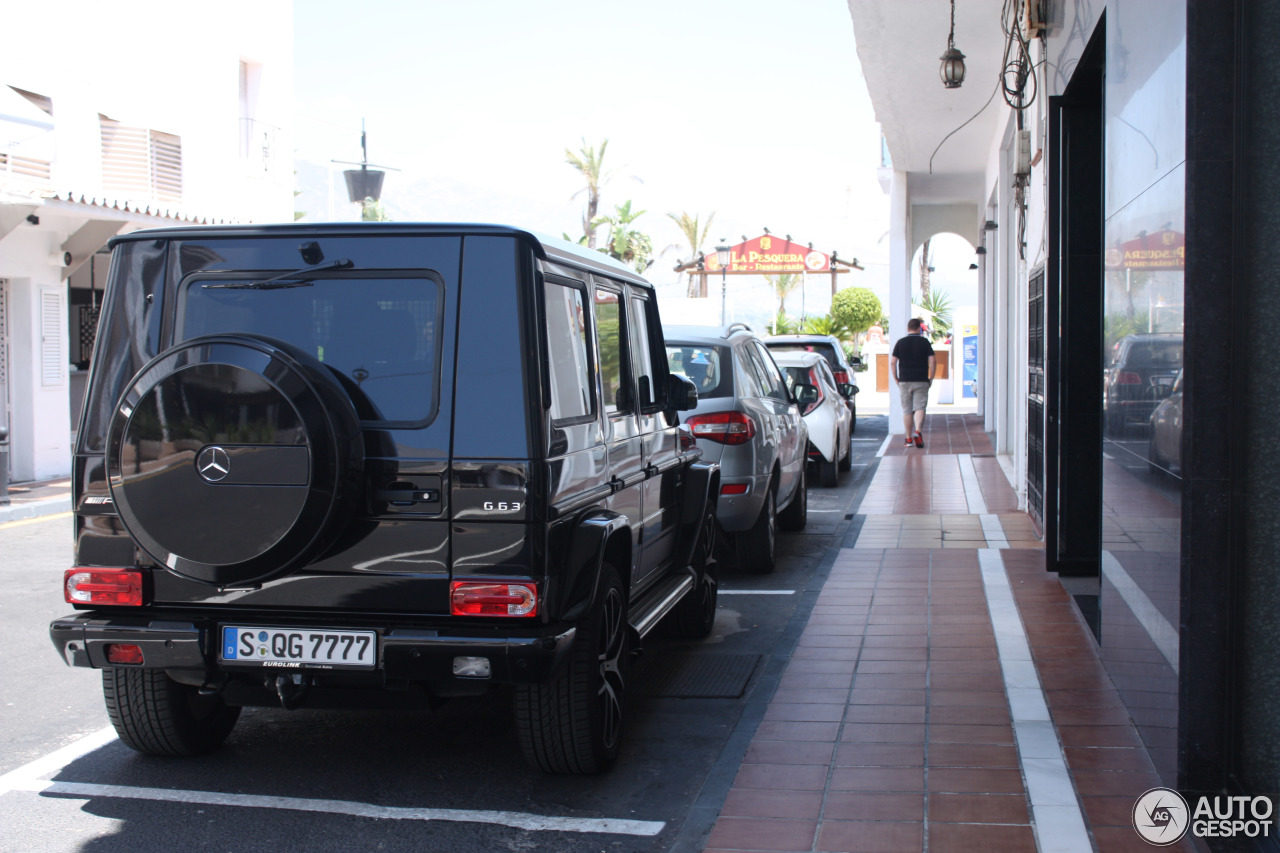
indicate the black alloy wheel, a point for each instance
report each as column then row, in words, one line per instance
column 574, row 722
column 756, row 545
column 695, row 615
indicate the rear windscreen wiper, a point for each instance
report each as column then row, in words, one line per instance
column 288, row 279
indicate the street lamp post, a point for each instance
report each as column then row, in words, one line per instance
column 724, row 256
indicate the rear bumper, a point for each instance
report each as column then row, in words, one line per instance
column 419, row 653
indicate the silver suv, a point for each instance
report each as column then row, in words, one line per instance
column 747, row 420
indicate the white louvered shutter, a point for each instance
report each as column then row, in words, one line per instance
column 52, row 326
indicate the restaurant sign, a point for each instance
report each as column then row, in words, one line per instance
column 1163, row 250
column 768, row 254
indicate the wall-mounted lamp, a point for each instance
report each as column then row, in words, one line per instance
column 981, row 250
column 973, row 266
column 952, row 70
column 991, row 225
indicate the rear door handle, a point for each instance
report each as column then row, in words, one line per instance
column 406, row 497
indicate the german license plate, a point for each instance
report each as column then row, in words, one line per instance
column 299, row 647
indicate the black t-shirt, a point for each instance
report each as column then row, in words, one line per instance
column 912, row 353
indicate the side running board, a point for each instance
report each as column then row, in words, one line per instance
column 648, row 612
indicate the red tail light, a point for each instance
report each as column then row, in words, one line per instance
column 487, row 598
column 1127, row 378
column 733, row 489
column 723, row 427
column 120, row 587
column 126, row 653
column 842, row 376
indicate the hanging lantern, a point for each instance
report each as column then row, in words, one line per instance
column 952, row 70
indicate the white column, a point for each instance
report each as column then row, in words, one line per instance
column 40, row 410
column 899, row 282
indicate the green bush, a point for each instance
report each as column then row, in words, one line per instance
column 856, row 308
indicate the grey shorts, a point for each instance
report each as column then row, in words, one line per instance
column 915, row 396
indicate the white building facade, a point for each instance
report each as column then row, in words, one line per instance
column 115, row 118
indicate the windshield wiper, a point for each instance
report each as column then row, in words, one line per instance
column 288, row 279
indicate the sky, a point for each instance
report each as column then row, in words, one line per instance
column 756, row 111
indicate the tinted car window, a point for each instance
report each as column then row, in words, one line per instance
column 612, row 353
column 1154, row 354
column 641, row 358
column 567, row 354
column 707, row 367
column 379, row 334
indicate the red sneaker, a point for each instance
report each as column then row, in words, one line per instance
column 919, row 440
column 908, row 444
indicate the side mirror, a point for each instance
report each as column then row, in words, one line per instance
column 806, row 396
column 856, row 362
column 682, row 395
column 847, row 390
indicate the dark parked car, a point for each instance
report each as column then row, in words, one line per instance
column 1138, row 377
column 351, row 465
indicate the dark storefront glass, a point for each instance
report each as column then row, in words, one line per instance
column 1143, row 327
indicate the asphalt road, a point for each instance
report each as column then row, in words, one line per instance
column 450, row 780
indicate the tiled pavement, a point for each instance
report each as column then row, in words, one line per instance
column 906, row 719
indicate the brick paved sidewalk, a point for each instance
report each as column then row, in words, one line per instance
column 945, row 695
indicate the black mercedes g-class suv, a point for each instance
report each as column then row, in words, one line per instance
column 369, row 464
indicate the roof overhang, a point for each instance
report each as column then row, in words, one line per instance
column 899, row 44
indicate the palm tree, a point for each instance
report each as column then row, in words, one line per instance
column 625, row 243
column 783, row 284
column 925, row 269
column 590, row 163
column 696, row 236
column 784, row 325
column 938, row 303
column 827, row 325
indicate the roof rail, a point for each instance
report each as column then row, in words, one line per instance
column 732, row 327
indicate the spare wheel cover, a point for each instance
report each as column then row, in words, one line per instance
column 233, row 458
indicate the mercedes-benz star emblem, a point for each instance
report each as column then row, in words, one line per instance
column 214, row 464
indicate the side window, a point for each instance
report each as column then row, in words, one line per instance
column 748, row 373
column 773, row 382
column 613, row 354
column 642, row 355
column 568, row 357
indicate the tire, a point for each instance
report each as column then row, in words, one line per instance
column 574, row 722
column 695, row 615
column 756, row 545
column 156, row 715
column 853, row 421
column 828, row 473
column 846, row 461
column 796, row 515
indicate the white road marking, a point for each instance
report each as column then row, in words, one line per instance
column 29, row 778
column 1058, row 822
column 993, row 531
column 972, row 491
column 1162, row 634
column 16, row 780
column 518, row 820
column 757, row 591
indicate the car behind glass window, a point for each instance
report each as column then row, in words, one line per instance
column 706, row 366
column 379, row 335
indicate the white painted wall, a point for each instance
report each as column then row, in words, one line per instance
column 172, row 67
column 40, row 441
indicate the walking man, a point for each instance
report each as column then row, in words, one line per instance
column 913, row 364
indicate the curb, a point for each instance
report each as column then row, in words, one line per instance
column 35, row 509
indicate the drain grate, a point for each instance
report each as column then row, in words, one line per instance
column 697, row 676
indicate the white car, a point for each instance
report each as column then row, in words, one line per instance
column 822, row 403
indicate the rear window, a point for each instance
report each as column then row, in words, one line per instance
column 827, row 351
column 1154, row 354
column 706, row 366
column 380, row 334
